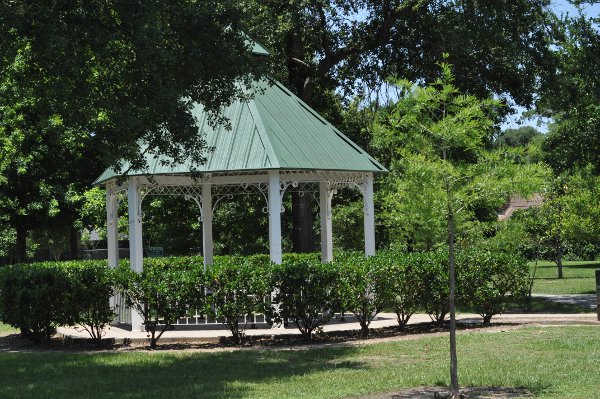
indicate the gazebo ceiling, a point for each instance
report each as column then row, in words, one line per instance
column 273, row 131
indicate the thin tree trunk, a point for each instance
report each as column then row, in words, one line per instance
column 559, row 256
column 21, row 244
column 531, row 282
column 453, row 357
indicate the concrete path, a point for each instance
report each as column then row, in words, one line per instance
column 121, row 335
column 584, row 300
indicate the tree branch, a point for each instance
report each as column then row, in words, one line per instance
column 390, row 16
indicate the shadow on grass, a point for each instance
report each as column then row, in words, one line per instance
column 565, row 278
column 541, row 305
column 224, row 374
column 593, row 265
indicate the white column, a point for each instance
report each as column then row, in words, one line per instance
column 369, row 215
column 112, row 229
column 274, row 217
column 325, row 195
column 207, row 218
column 136, row 250
column 112, row 238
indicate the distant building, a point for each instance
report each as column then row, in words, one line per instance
column 519, row 203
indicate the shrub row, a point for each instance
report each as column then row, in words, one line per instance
column 39, row 297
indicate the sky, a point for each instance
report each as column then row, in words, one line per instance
column 560, row 7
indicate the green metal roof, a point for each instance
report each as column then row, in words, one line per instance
column 274, row 130
column 257, row 48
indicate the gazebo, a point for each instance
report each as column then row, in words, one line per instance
column 276, row 144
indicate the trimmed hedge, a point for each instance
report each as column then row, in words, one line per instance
column 489, row 281
column 361, row 283
column 237, row 288
column 164, row 291
column 399, row 284
column 306, row 292
column 37, row 298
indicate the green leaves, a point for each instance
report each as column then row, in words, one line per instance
column 238, row 287
column 437, row 140
column 306, row 293
column 164, row 291
column 490, row 281
column 38, row 297
column 358, row 282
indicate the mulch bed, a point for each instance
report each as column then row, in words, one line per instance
column 15, row 342
column 467, row 393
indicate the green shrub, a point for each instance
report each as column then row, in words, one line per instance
column 358, row 282
column 238, row 287
column 488, row 281
column 92, row 285
column 164, row 291
column 399, row 285
column 305, row 292
column 39, row 297
column 32, row 299
column 432, row 276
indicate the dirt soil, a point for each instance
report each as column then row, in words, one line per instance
column 13, row 342
column 439, row 392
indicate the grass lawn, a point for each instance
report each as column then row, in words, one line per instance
column 553, row 362
column 579, row 278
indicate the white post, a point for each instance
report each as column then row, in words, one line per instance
column 112, row 228
column 112, row 238
column 369, row 215
column 274, row 217
column 207, row 218
column 325, row 195
column 136, row 250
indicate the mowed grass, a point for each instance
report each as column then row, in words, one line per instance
column 579, row 278
column 553, row 362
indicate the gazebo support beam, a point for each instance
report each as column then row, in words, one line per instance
column 325, row 195
column 112, row 237
column 136, row 250
column 275, row 217
column 112, row 229
column 369, row 215
column 207, row 230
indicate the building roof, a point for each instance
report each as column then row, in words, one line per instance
column 275, row 130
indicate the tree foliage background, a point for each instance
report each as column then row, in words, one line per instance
column 84, row 84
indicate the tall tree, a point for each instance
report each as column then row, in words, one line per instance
column 438, row 129
column 573, row 99
column 521, row 136
column 86, row 84
column 323, row 46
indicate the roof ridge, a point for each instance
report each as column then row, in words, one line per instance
column 319, row 117
column 263, row 135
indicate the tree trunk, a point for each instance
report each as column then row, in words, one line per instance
column 299, row 78
column 303, row 223
column 559, row 256
column 74, row 243
column 453, row 357
column 21, row 244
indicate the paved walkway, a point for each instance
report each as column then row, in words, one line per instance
column 584, row 300
column 121, row 335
